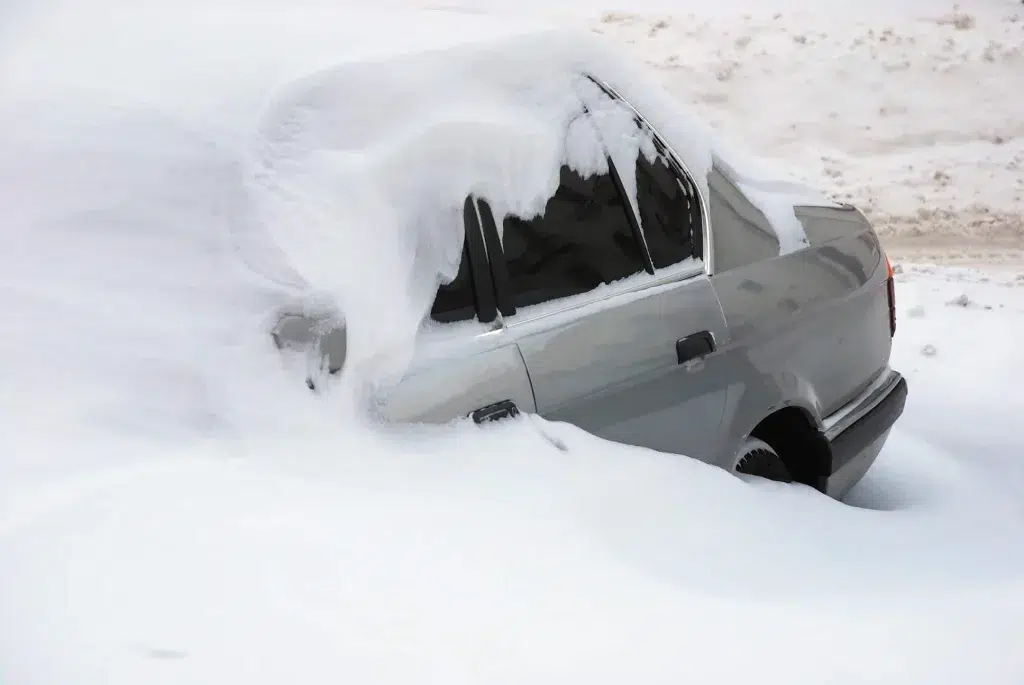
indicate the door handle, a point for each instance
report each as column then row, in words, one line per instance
column 694, row 346
column 506, row 409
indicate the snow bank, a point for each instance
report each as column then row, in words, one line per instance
column 493, row 555
column 485, row 556
column 174, row 507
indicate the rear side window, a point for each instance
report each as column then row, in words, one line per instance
column 456, row 301
column 581, row 241
column 670, row 213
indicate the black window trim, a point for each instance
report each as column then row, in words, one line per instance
column 480, row 273
column 631, row 216
column 496, row 259
column 483, row 286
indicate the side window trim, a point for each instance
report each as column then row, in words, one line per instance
column 473, row 276
column 707, row 245
column 631, row 215
column 496, row 259
column 483, row 287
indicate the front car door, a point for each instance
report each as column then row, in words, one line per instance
column 612, row 310
column 465, row 360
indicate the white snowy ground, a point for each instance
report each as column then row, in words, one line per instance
column 171, row 513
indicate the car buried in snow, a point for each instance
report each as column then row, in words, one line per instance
column 658, row 305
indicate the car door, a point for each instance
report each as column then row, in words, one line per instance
column 617, row 322
column 465, row 363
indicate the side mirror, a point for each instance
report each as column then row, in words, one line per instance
column 325, row 340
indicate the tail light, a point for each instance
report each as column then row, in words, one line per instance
column 890, row 287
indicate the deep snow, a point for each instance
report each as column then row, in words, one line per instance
column 175, row 508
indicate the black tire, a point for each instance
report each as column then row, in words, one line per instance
column 757, row 458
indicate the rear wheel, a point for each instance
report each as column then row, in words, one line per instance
column 757, row 458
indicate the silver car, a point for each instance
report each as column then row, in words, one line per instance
column 674, row 323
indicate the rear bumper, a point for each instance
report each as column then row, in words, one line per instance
column 857, row 432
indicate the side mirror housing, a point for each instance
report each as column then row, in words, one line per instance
column 325, row 340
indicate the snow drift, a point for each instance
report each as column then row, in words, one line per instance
column 350, row 170
column 174, row 507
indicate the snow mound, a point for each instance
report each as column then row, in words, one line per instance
column 352, row 160
column 359, row 171
column 174, row 508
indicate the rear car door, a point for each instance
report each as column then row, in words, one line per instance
column 815, row 320
column 466, row 363
column 614, row 316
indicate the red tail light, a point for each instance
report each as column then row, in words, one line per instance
column 890, row 287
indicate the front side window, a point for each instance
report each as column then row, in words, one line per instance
column 582, row 240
